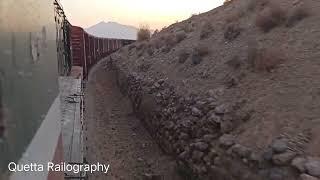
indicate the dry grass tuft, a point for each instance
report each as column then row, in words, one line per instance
column 232, row 32
column 234, row 63
column 265, row 59
column 234, row 16
column 144, row 33
column 202, row 50
column 252, row 52
column 226, row 2
column 165, row 49
column 141, row 46
column 198, row 53
column 187, row 28
column 254, row 4
column 144, row 67
column 150, row 50
column 157, row 42
column 297, row 14
column 131, row 46
column 180, row 36
column 269, row 59
column 155, row 33
column 270, row 17
column 183, row 56
column 170, row 40
column 206, row 30
column 251, row 5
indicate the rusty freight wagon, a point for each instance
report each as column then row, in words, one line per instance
column 87, row 49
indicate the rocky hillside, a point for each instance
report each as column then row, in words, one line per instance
column 233, row 93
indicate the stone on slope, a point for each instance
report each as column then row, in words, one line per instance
column 313, row 166
column 227, row 140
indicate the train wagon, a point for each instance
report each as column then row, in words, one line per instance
column 38, row 45
column 87, row 50
column 33, row 54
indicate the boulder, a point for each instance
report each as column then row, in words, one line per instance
column 268, row 154
column 299, row 163
column 209, row 137
column 148, row 176
column 240, row 150
column 226, row 126
column 183, row 155
column 279, row 145
column 201, row 146
column 284, row 158
column 214, row 118
column 227, row 140
column 313, row 166
column 196, row 112
column 196, row 59
column 197, row 155
column 307, row 177
column 222, row 109
column 255, row 157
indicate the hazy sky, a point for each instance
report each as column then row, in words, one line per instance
column 156, row 13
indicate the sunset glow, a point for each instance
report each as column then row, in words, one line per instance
column 155, row 13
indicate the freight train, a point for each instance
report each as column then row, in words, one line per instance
column 38, row 45
column 86, row 49
column 79, row 48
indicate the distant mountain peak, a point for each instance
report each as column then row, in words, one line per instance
column 109, row 22
column 102, row 22
column 113, row 22
column 113, row 29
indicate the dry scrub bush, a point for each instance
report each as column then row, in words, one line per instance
column 232, row 32
column 131, row 46
column 234, row 16
column 144, row 67
column 170, row 40
column 265, row 59
column 297, row 14
column 183, row 56
column 150, row 50
column 141, row 46
column 206, row 30
column 227, row 2
column 180, row 36
column 252, row 52
column 270, row 17
column 156, row 43
column 187, row 27
column 231, row 18
column 155, row 33
column 140, row 53
column 144, row 33
column 165, row 49
column 201, row 50
column 234, row 63
column 269, row 59
column 198, row 53
column 253, row 4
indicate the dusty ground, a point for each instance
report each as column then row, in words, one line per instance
column 114, row 136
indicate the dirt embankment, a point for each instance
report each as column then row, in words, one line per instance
column 232, row 93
